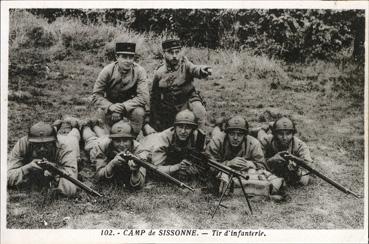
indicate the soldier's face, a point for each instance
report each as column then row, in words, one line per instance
column 236, row 137
column 183, row 131
column 122, row 144
column 125, row 61
column 284, row 138
column 172, row 56
column 42, row 150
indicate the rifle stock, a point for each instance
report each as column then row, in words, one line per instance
column 153, row 168
column 300, row 162
column 45, row 165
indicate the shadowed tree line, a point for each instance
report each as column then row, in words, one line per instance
column 289, row 34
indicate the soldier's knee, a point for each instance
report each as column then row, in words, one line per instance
column 198, row 109
column 138, row 113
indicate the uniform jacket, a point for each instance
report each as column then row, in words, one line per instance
column 219, row 149
column 112, row 86
column 164, row 149
column 297, row 147
column 21, row 154
column 102, row 153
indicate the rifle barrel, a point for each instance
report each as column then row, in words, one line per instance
column 300, row 162
column 47, row 166
column 151, row 167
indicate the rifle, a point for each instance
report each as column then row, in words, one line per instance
column 153, row 168
column 46, row 165
column 302, row 163
column 201, row 158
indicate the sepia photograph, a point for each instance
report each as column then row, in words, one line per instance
column 227, row 122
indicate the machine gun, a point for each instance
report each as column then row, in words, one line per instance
column 302, row 163
column 142, row 163
column 203, row 161
column 46, row 165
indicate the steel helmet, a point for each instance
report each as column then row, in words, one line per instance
column 284, row 123
column 41, row 132
column 185, row 117
column 237, row 122
column 121, row 129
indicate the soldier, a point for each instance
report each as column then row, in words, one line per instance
column 121, row 89
column 283, row 139
column 105, row 154
column 41, row 143
column 173, row 88
column 236, row 149
column 166, row 149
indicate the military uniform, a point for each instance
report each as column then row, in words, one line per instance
column 164, row 150
column 102, row 153
column 131, row 89
column 173, row 91
column 261, row 182
column 297, row 148
column 20, row 176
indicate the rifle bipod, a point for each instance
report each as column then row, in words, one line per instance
column 224, row 192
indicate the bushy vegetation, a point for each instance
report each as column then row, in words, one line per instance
column 289, row 34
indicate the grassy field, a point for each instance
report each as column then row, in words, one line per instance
column 55, row 75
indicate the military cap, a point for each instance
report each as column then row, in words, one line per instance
column 185, row 117
column 237, row 122
column 171, row 44
column 284, row 123
column 41, row 132
column 125, row 48
column 121, row 129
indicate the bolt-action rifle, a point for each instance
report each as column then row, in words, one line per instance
column 302, row 163
column 149, row 166
column 204, row 161
column 46, row 165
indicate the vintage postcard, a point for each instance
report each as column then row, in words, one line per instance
column 184, row 121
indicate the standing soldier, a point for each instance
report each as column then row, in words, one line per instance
column 282, row 140
column 41, row 143
column 105, row 154
column 173, row 88
column 237, row 150
column 121, row 89
column 167, row 149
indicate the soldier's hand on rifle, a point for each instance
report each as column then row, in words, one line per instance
column 224, row 180
column 33, row 165
column 118, row 161
column 240, row 163
column 133, row 166
column 206, row 71
column 277, row 159
column 115, row 117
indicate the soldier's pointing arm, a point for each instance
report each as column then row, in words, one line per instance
column 197, row 71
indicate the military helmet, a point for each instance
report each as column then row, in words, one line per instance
column 41, row 132
column 284, row 123
column 121, row 129
column 237, row 122
column 185, row 117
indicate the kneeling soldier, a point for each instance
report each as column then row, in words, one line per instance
column 237, row 150
column 167, row 149
column 173, row 88
column 283, row 140
column 41, row 143
column 110, row 165
column 121, row 89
